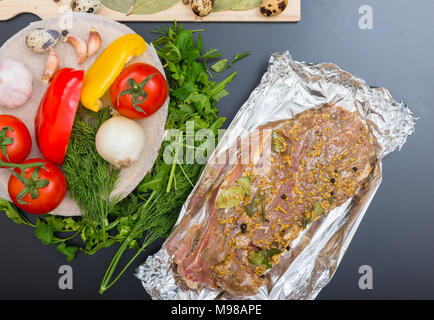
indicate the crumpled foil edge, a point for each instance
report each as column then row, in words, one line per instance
column 286, row 89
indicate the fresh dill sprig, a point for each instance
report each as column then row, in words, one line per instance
column 156, row 217
column 90, row 178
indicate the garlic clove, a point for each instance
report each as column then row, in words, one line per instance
column 51, row 66
column 93, row 43
column 79, row 45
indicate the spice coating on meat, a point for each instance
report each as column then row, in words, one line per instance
column 318, row 160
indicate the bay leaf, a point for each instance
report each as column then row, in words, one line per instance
column 252, row 207
column 244, row 183
column 278, row 143
column 245, row 4
column 139, row 6
column 152, row 6
column 222, row 5
column 229, row 198
column 119, row 5
column 317, row 209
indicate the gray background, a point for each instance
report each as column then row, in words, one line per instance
column 396, row 236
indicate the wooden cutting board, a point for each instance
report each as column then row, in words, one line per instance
column 180, row 12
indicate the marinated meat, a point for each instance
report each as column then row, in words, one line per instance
column 317, row 161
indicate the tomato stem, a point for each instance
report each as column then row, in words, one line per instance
column 22, row 167
column 30, row 185
column 137, row 92
column 5, row 141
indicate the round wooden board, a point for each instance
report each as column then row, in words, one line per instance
column 15, row 48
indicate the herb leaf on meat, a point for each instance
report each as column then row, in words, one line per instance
column 252, row 207
column 278, row 143
column 230, row 197
column 263, row 257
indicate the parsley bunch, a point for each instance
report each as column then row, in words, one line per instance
column 193, row 97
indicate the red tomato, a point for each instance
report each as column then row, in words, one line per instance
column 56, row 113
column 15, row 138
column 156, row 90
column 48, row 197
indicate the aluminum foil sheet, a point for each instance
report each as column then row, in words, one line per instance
column 286, row 89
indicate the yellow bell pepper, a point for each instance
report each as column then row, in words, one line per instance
column 107, row 68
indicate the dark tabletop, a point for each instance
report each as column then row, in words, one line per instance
column 396, row 237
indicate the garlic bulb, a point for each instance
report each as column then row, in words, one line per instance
column 16, row 83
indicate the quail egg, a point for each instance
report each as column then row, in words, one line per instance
column 89, row 6
column 272, row 7
column 202, row 7
column 41, row 40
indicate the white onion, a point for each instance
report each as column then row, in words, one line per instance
column 120, row 141
column 15, row 83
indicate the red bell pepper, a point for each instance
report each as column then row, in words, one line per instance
column 56, row 113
